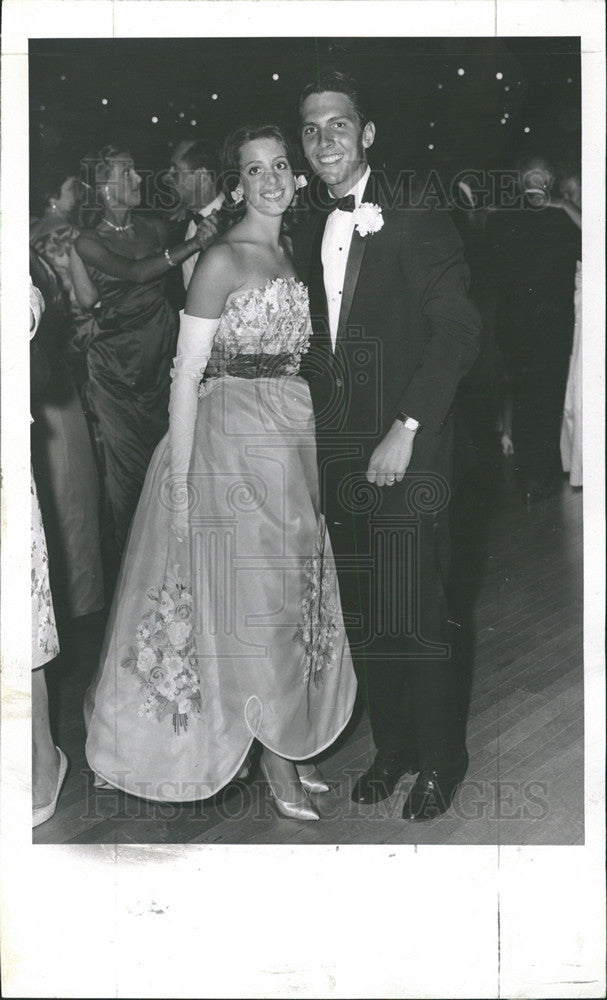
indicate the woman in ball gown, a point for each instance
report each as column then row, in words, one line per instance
column 227, row 625
column 49, row 763
column 122, row 264
column 62, row 452
column 57, row 197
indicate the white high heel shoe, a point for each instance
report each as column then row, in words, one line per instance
column 311, row 779
column 292, row 810
column 40, row 814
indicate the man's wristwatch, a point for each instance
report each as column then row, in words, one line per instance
column 409, row 422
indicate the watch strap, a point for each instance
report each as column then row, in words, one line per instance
column 409, row 422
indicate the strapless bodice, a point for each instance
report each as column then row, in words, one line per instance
column 263, row 330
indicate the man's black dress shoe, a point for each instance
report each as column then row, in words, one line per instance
column 432, row 794
column 382, row 777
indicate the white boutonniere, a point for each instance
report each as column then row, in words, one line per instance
column 368, row 218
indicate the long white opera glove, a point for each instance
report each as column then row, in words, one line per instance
column 193, row 351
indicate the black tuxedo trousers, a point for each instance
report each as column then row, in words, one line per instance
column 407, row 333
column 392, row 570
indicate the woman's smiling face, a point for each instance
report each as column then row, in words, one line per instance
column 266, row 176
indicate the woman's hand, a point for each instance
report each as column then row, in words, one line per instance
column 180, row 526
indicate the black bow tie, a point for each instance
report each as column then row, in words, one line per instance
column 347, row 204
column 195, row 217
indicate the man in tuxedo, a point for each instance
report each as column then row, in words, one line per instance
column 394, row 332
column 193, row 174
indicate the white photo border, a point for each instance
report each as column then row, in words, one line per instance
column 277, row 920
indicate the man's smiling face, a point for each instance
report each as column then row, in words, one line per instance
column 334, row 141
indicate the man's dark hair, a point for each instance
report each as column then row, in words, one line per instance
column 336, row 82
column 203, row 154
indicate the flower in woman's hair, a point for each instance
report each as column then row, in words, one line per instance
column 300, row 182
column 237, row 194
column 368, row 218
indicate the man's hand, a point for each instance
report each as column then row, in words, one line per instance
column 391, row 458
column 207, row 230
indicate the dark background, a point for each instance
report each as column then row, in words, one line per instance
column 408, row 83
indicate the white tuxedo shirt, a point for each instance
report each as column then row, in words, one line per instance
column 336, row 241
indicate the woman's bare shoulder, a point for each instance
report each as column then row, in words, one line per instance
column 216, row 275
column 221, row 255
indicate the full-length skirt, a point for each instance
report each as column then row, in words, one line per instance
column 237, row 634
column 45, row 642
column 68, row 489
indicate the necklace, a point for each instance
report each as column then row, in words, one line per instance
column 119, row 229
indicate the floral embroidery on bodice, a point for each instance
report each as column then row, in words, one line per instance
column 272, row 321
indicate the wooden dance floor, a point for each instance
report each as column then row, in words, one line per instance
column 518, row 594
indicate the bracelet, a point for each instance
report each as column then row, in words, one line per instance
column 169, row 259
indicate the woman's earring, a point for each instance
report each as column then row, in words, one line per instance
column 300, row 182
column 238, row 195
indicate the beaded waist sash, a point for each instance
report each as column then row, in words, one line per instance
column 254, row 366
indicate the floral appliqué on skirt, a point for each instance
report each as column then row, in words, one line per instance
column 318, row 631
column 45, row 642
column 165, row 658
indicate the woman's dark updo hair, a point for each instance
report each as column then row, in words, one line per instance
column 230, row 162
column 47, row 179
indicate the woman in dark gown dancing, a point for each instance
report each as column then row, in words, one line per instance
column 122, row 264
